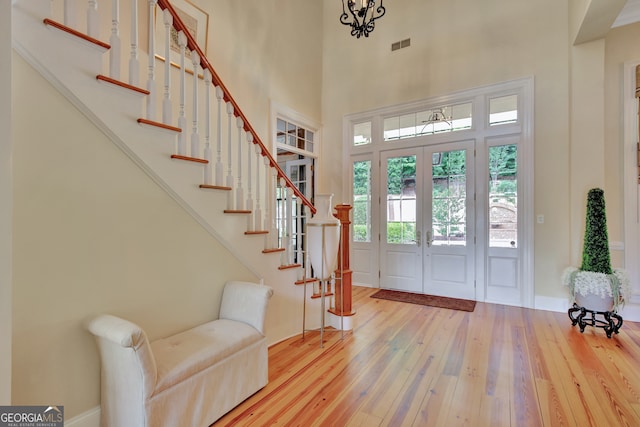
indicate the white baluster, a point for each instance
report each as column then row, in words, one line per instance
column 229, row 173
column 239, row 190
column 151, row 84
column 167, row 113
column 182, row 119
column 307, row 264
column 207, row 126
column 219, row 166
column 114, row 41
column 195, row 136
column 249, row 194
column 298, row 248
column 258, row 213
column 268, row 205
column 93, row 19
column 289, row 225
column 272, row 195
column 70, row 13
column 280, row 222
column 134, row 63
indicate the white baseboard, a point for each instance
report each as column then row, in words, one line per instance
column 630, row 312
column 91, row 418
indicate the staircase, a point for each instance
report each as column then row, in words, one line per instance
column 182, row 127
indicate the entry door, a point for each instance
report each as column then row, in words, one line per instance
column 427, row 205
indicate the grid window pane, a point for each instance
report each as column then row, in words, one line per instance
column 401, row 200
column 362, row 201
column 449, row 196
column 362, row 133
column 427, row 122
column 503, row 196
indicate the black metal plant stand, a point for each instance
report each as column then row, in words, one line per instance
column 608, row 320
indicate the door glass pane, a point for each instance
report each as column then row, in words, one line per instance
column 503, row 196
column 401, row 200
column 362, row 201
column 449, row 195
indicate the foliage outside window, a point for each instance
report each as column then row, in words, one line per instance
column 362, row 201
column 401, row 200
column 449, row 198
column 503, row 196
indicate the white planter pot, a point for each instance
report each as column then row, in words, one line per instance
column 594, row 302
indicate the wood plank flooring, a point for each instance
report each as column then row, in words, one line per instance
column 411, row 365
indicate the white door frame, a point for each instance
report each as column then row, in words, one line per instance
column 630, row 181
column 480, row 97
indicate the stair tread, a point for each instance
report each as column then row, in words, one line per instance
column 307, row 280
column 288, row 266
column 189, row 159
column 272, row 250
column 69, row 30
column 122, row 84
column 328, row 294
column 215, row 187
column 255, row 232
column 236, row 211
column 159, row 125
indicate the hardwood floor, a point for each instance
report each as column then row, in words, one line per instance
column 411, row 365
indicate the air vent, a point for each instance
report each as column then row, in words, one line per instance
column 401, row 44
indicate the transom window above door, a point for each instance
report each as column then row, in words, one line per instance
column 294, row 135
column 448, row 118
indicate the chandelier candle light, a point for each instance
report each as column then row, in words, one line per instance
column 323, row 234
column 361, row 15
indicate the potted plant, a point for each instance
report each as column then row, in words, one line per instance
column 595, row 286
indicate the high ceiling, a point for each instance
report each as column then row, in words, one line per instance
column 629, row 14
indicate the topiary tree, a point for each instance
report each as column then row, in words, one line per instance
column 595, row 253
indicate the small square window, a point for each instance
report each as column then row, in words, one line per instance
column 503, row 110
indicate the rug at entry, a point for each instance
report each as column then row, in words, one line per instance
column 430, row 300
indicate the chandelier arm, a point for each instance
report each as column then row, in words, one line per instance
column 359, row 24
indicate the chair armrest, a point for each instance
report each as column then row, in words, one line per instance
column 128, row 364
column 117, row 330
column 245, row 302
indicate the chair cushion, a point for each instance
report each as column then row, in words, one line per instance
column 183, row 355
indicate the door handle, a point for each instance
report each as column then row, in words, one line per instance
column 418, row 239
column 429, row 238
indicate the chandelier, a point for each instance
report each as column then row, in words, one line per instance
column 364, row 14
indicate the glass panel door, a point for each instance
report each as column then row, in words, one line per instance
column 427, row 240
column 401, row 213
column 449, row 248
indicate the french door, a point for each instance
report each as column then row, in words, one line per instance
column 427, row 239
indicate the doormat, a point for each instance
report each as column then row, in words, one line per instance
column 430, row 300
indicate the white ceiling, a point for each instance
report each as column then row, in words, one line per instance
column 630, row 13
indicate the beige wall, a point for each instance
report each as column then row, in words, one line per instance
column 6, row 198
column 93, row 234
column 267, row 51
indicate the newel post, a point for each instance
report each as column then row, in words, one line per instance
column 343, row 273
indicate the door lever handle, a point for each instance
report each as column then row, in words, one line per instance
column 429, row 238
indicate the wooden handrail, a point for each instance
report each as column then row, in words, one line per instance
column 215, row 80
